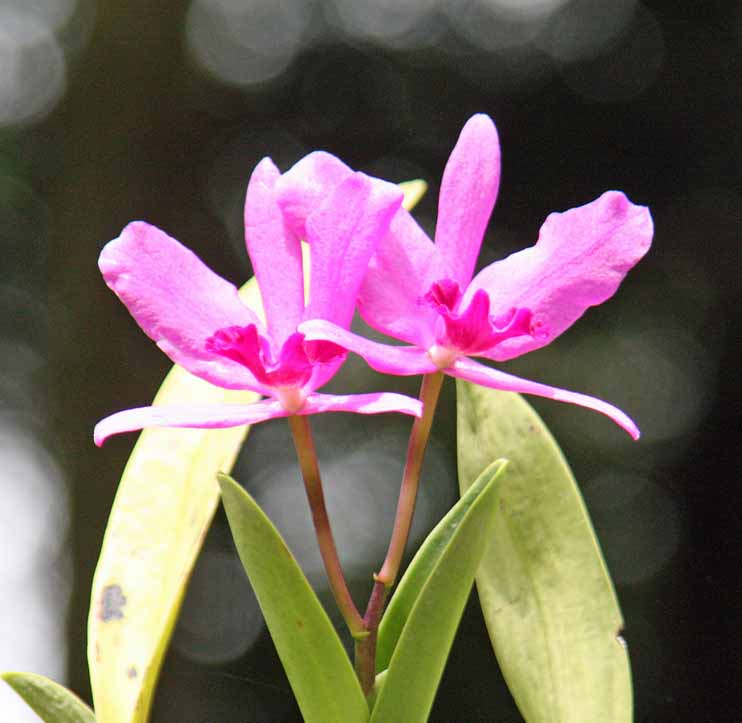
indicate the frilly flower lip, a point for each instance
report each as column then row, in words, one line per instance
column 198, row 319
column 425, row 293
column 470, row 328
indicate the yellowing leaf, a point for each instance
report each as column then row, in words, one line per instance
column 162, row 511
column 413, row 192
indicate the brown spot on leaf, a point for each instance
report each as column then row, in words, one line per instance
column 300, row 623
column 111, row 603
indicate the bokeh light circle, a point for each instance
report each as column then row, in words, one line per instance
column 33, row 69
column 639, row 524
column 246, row 43
column 220, row 619
column 626, row 68
column 584, row 28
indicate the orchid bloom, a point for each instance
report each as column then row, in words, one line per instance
column 423, row 293
column 198, row 319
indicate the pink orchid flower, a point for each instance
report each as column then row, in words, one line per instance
column 198, row 319
column 423, row 293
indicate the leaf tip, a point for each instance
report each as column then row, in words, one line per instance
column 496, row 468
column 226, row 483
column 413, row 192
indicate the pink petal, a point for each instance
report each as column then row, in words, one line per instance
column 304, row 186
column 468, row 192
column 379, row 403
column 581, row 257
column 325, row 362
column 399, row 276
column 217, row 416
column 400, row 273
column 307, row 365
column 398, row 360
column 275, row 254
column 177, row 300
column 476, row 373
column 343, row 233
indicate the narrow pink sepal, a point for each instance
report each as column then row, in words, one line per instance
column 467, row 197
column 399, row 275
column 384, row 358
column 472, row 371
column 217, row 416
column 343, row 233
column 303, row 187
column 275, row 254
column 580, row 259
column 379, row 403
column 176, row 300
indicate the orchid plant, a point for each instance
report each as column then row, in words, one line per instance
column 323, row 241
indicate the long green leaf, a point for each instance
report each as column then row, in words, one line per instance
column 415, row 577
column 52, row 702
column 429, row 602
column 547, row 599
column 162, row 511
column 317, row 666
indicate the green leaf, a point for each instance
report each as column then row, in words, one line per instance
column 378, row 685
column 317, row 666
column 429, row 602
column 418, row 572
column 547, row 599
column 162, row 511
column 52, row 702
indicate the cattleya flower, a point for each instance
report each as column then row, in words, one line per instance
column 423, row 293
column 200, row 322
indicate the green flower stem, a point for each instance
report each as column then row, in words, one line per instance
column 307, row 455
column 365, row 649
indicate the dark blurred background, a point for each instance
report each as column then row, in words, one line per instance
column 118, row 110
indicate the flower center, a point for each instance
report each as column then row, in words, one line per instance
column 291, row 398
column 286, row 372
column 442, row 356
column 471, row 330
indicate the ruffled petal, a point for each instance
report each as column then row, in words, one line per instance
column 217, row 416
column 392, row 297
column 305, row 185
column 326, row 359
column 379, row 403
column 467, row 196
column 343, row 233
column 177, row 300
column 275, row 254
column 581, row 257
column 384, row 358
column 476, row 373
